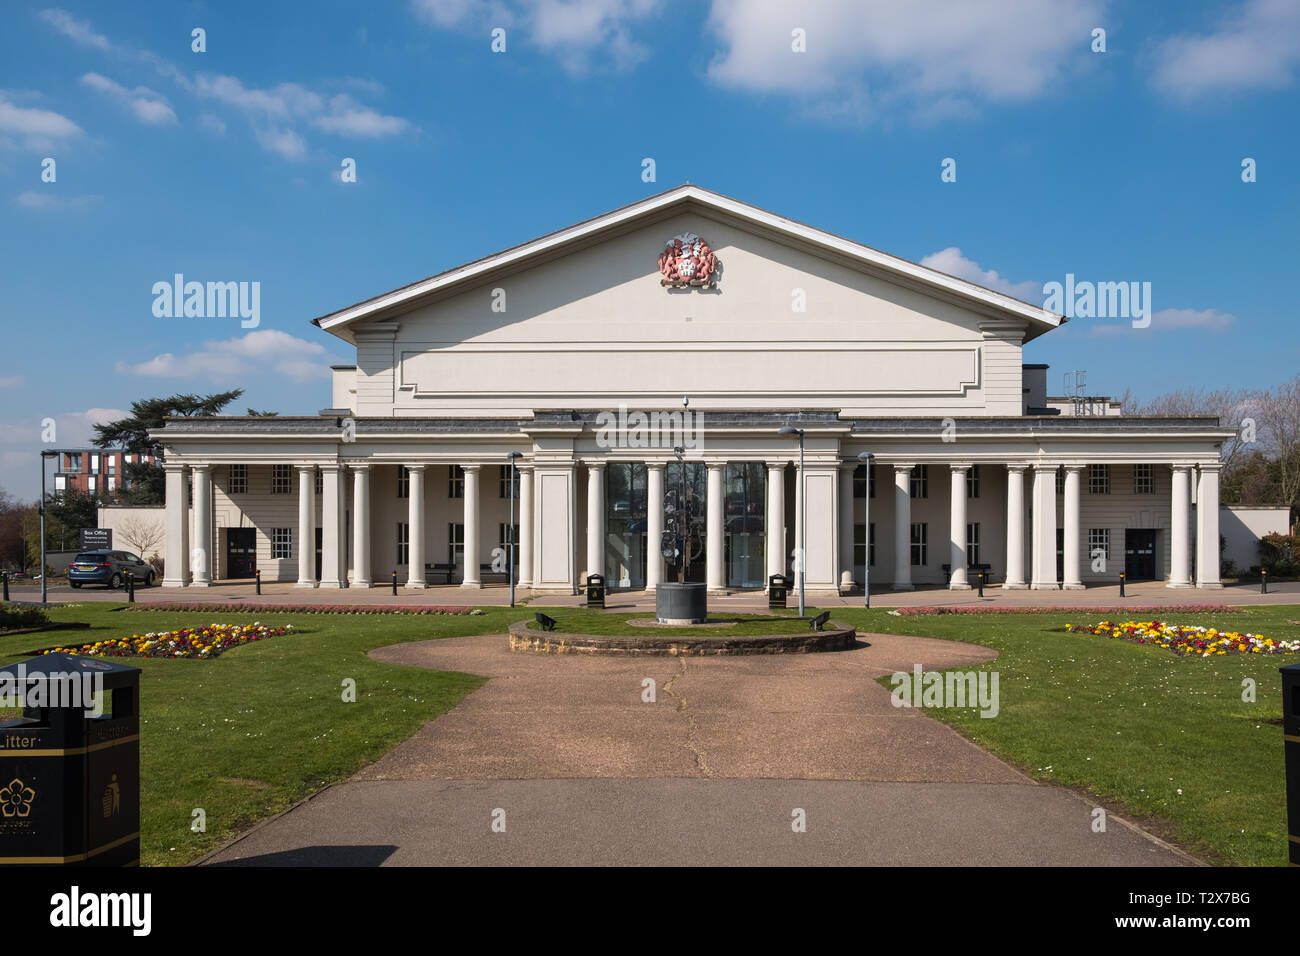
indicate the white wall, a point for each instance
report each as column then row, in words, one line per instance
column 1242, row 526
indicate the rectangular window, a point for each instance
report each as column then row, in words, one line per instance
column 920, row 533
column 110, row 462
column 456, row 482
column 920, row 487
column 281, row 479
column 507, row 544
column 864, row 544
column 403, row 543
column 1099, row 479
column 282, row 542
column 455, row 543
column 237, row 480
column 973, row 543
column 1060, row 481
column 1099, row 543
column 864, row 481
column 1144, row 480
column 503, row 482
column 318, row 481
column 973, row 482
column 403, row 482
column 74, row 463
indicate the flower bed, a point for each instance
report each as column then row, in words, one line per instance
column 1135, row 609
column 303, row 608
column 196, row 642
column 1188, row 640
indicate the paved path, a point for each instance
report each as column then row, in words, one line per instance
column 710, row 773
column 1140, row 594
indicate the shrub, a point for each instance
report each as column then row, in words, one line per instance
column 13, row 618
column 1279, row 553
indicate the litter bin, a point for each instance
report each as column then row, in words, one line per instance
column 778, row 586
column 1291, row 746
column 595, row 590
column 70, row 780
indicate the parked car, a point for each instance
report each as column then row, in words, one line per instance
column 109, row 568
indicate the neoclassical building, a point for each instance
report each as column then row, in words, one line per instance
column 692, row 321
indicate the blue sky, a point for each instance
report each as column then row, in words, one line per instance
column 1123, row 165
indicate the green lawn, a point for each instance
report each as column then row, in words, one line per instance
column 247, row 734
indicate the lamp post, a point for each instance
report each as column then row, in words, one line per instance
column 866, row 458
column 803, row 513
column 510, row 528
column 44, row 576
column 683, row 522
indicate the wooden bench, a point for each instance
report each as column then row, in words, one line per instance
column 972, row 573
column 433, row 571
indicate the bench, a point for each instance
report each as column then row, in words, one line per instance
column 820, row 620
column 972, row 572
column 432, row 571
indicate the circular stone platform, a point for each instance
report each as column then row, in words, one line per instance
column 525, row 639
column 655, row 622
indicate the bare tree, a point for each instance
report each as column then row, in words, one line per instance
column 142, row 535
column 1236, row 408
column 1279, row 431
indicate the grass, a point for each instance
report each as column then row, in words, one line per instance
column 246, row 735
column 1164, row 740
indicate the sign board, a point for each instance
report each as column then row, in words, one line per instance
column 96, row 539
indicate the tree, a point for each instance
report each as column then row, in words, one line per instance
column 131, row 434
column 254, row 413
column 1234, row 407
column 143, row 536
column 66, row 513
column 1279, row 430
column 14, row 552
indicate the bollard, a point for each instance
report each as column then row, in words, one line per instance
column 1291, row 755
column 257, row 576
column 981, row 584
column 5, row 575
column 1121, row 584
column 394, row 584
column 1263, row 581
column 130, row 588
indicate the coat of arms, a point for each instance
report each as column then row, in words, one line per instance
column 687, row 260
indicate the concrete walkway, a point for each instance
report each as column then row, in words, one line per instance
column 584, row 771
column 1144, row 593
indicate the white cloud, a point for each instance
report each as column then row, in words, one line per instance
column 20, row 444
column 213, row 124
column 953, row 263
column 53, row 201
column 79, row 31
column 232, row 361
column 147, row 106
column 1254, row 46
column 1170, row 320
column 283, row 142
column 349, row 117
column 35, row 128
column 863, row 55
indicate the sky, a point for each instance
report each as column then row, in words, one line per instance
column 1008, row 142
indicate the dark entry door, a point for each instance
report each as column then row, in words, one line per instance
column 1060, row 554
column 1140, row 554
column 241, row 552
column 320, row 536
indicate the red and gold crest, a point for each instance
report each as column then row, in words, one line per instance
column 687, row 260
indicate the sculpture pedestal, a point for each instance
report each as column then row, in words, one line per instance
column 681, row 603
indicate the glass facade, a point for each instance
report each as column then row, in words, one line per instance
column 745, row 510
column 625, row 525
column 697, row 487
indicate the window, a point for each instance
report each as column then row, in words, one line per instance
column 864, row 481
column 503, row 483
column 920, row 532
column 238, row 479
column 403, row 543
column 507, row 545
column 973, row 481
column 403, row 482
column 1099, row 543
column 281, row 479
column 74, row 462
column 920, row 487
column 1144, row 480
column 318, row 480
column 864, row 544
column 1099, row 479
column 282, row 542
column 1060, row 481
column 456, row 482
column 111, row 462
column 973, row 543
column 455, row 543
column 94, row 464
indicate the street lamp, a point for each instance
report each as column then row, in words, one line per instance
column 44, row 455
column 510, row 528
column 866, row 458
column 803, row 512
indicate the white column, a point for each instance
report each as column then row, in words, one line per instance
column 1070, row 540
column 902, row 527
column 654, row 503
column 361, row 526
column 415, row 522
column 333, row 571
column 1043, row 567
column 595, row 519
column 715, row 566
column 775, row 518
column 1015, row 527
column 306, row 526
column 957, row 581
column 176, row 568
column 1207, row 527
column 525, row 505
column 846, row 526
column 201, row 546
column 471, row 578
column 1180, row 527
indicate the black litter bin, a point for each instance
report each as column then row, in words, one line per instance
column 70, row 781
column 778, row 587
column 1291, row 745
column 595, row 590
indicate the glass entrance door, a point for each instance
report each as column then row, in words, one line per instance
column 745, row 511
column 696, row 503
column 625, row 525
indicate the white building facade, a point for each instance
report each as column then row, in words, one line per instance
column 549, row 379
